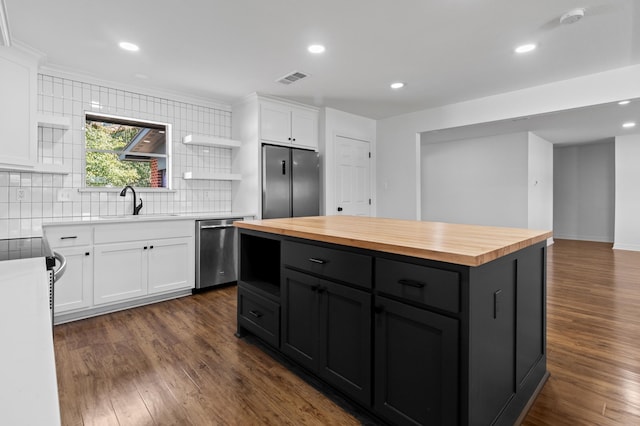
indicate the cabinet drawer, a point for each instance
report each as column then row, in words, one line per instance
column 335, row 264
column 69, row 236
column 259, row 315
column 430, row 286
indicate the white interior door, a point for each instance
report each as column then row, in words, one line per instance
column 353, row 192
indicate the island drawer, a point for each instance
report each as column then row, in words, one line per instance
column 429, row 286
column 341, row 265
column 259, row 315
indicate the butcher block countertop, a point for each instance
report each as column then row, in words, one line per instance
column 469, row 245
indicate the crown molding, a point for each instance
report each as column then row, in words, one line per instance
column 57, row 71
column 5, row 34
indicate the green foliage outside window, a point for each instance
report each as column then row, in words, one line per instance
column 104, row 144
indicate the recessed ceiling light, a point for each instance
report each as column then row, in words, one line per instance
column 629, row 125
column 525, row 48
column 627, row 102
column 397, row 85
column 316, row 48
column 129, row 46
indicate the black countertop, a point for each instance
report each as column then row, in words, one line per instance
column 23, row 248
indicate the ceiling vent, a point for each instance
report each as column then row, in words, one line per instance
column 292, row 77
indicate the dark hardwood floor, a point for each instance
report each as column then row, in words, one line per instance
column 178, row 362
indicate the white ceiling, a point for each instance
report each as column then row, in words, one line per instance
column 446, row 51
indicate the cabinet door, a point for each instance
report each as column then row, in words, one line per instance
column 304, row 128
column 119, row 272
column 345, row 339
column 416, row 365
column 74, row 290
column 171, row 264
column 275, row 123
column 300, row 318
column 18, row 85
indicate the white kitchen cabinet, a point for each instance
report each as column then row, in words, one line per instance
column 116, row 265
column 74, row 290
column 18, row 106
column 120, row 272
column 133, row 269
column 287, row 124
column 170, row 262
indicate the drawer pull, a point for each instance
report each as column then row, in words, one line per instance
column 412, row 283
column 73, row 237
column 256, row 314
column 319, row 261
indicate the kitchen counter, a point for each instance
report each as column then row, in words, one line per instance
column 88, row 220
column 28, row 385
column 468, row 245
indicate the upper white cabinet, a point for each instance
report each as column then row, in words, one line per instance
column 18, row 106
column 288, row 124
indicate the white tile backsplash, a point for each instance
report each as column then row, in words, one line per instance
column 49, row 197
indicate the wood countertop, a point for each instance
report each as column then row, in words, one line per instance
column 469, row 245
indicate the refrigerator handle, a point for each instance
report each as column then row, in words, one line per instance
column 284, row 167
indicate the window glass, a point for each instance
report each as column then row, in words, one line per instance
column 121, row 151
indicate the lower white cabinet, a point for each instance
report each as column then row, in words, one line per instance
column 121, row 263
column 74, row 290
column 128, row 270
column 170, row 262
column 120, row 272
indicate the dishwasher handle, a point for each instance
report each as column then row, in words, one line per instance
column 58, row 273
column 216, row 226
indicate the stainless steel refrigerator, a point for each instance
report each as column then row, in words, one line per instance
column 290, row 182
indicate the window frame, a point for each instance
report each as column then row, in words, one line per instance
column 134, row 122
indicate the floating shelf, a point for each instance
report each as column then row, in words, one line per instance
column 211, row 141
column 211, row 176
column 56, row 121
column 58, row 169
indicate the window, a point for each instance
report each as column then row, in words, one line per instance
column 121, row 151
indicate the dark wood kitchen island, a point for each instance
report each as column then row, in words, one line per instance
column 418, row 322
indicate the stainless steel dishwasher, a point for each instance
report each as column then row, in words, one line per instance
column 216, row 253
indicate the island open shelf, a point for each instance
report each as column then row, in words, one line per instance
column 418, row 322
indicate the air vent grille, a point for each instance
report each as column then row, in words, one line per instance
column 292, row 77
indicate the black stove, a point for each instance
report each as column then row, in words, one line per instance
column 22, row 248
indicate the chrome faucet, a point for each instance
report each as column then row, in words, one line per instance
column 136, row 208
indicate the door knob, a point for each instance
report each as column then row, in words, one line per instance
column 339, row 209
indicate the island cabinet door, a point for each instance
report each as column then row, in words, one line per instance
column 345, row 339
column 416, row 365
column 299, row 327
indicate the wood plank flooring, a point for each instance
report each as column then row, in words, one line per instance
column 178, row 362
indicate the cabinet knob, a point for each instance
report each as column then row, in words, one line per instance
column 145, row 247
column 256, row 314
column 294, row 139
column 289, row 138
column 339, row 209
column 87, row 253
column 151, row 247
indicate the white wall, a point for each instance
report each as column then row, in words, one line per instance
column 627, row 204
column 584, row 192
column 338, row 123
column 397, row 168
column 540, row 183
column 481, row 181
